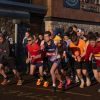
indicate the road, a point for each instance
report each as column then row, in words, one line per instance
column 29, row 91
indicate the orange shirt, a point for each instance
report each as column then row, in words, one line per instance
column 80, row 47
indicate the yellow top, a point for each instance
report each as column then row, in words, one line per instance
column 81, row 45
column 57, row 38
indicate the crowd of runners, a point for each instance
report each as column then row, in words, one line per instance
column 58, row 58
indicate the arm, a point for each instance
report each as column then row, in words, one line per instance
column 88, row 52
column 28, row 58
column 85, row 49
column 37, row 57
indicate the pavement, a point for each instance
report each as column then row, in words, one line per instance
column 29, row 91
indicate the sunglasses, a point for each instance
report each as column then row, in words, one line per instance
column 29, row 40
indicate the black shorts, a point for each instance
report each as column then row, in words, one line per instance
column 80, row 65
column 37, row 64
column 98, row 68
column 66, row 67
column 9, row 62
column 2, row 59
column 94, row 66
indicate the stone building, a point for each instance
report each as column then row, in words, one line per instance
column 85, row 15
column 41, row 15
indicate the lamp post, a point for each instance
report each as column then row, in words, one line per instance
column 16, row 22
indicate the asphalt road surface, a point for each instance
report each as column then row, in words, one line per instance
column 29, row 91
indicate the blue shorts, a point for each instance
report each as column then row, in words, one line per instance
column 37, row 64
column 57, row 62
column 50, row 63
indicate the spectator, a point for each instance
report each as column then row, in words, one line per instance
column 7, row 61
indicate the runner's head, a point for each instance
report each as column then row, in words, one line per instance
column 27, row 34
column 40, row 37
column 30, row 40
column 66, row 37
column 74, row 37
column 92, row 40
column 74, row 28
column 35, row 38
column 47, row 36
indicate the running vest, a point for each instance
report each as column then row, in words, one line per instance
column 51, row 50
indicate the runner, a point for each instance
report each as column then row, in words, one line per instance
column 78, row 48
column 34, row 57
column 64, row 65
column 7, row 61
column 53, row 58
column 94, row 48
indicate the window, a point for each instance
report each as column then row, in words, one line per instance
column 22, row 1
column 39, row 2
column 97, row 1
column 91, row 1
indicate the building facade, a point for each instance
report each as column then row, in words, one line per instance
column 41, row 15
column 84, row 13
column 27, row 13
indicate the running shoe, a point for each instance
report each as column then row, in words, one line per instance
column 38, row 82
column 76, row 79
column 53, row 89
column 46, row 84
column 68, row 82
column 60, row 85
column 82, row 84
column 99, row 90
column 88, row 82
column 20, row 82
column 64, row 86
column 5, row 81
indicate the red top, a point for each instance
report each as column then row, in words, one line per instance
column 89, row 50
column 95, row 51
column 34, row 51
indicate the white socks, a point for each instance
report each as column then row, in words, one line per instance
column 54, row 85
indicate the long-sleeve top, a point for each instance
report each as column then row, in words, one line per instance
column 4, row 48
column 95, row 51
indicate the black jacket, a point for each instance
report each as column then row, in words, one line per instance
column 4, row 50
